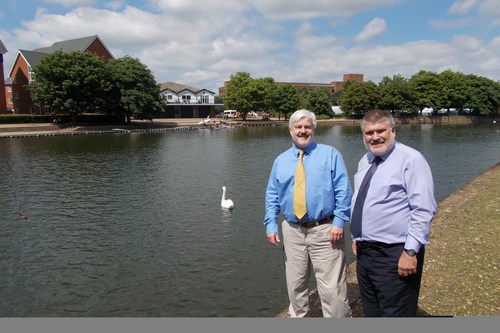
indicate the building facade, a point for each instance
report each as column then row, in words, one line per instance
column 332, row 86
column 19, row 99
column 188, row 102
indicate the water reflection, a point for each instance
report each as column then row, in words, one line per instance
column 131, row 224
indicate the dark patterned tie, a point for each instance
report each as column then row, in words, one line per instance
column 357, row 212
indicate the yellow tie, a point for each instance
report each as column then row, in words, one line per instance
column 299, row 193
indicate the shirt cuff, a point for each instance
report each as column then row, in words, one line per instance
column 337, row 221
column 272, row 228
column 412, row 244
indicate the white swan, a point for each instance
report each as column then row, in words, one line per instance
column 229, row 204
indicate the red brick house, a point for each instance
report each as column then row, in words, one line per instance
column 3, row 101
column 20, row 100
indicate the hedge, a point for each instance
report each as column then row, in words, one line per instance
column 82, row 118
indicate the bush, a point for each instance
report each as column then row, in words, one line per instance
column 323, row 117
column 65, row 118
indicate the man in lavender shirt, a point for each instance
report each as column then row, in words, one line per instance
column 395, row 220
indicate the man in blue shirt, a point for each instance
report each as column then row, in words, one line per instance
column 392, row 227
column 317, row 237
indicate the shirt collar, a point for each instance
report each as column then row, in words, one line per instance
column 307, row 150
column 371, row 157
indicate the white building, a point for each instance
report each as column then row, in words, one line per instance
column 188, row 102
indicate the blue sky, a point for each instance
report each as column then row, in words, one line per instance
column 201, row 43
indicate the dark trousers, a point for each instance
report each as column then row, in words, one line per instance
column 383, row 292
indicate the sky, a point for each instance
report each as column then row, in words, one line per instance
column 201, row 43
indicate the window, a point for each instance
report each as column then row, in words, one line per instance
column 9, row 100
column 31, row 95
column 9, row 89
column 169, row 96
column 16, row 95
column 49, row 110
column 31, row 75
column 32, row 110
column 14, row 80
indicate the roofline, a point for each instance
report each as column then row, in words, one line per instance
column 100, row 40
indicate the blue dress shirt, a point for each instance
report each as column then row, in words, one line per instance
column 400, row 203
column 328, row 190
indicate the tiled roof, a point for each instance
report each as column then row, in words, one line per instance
column 177, row 87
column 78, row 44
column 3, row 49
column 32, row 57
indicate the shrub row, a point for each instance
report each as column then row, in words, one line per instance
column 82, row 118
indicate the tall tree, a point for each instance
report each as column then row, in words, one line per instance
column 426, row 90
column 286, row 99
column 336, row 97
column 240, row 93
column 395, row 93
column 455, row 89
column 264, row 94
column 135, row 91
column 303, row 94
column 359, row 97
column 319, row 101
column 484, row 95
column 73, row 82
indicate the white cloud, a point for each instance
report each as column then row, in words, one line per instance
column 71, row 3
column 451, row 24
column 461, row 7
column 113, row 4
column 376, row 27
column 490, row 7
column 303, row 10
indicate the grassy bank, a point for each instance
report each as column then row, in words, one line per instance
column 462, row 264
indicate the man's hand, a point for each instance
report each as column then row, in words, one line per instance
column 354, row 248
column 336, row 234
column 407, row 265
column 273, row 238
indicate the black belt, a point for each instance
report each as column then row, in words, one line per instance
column 315, row 223
column 375, row 245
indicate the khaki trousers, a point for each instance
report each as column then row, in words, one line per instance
column 306, row 246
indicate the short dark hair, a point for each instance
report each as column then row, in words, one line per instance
column 375, row 116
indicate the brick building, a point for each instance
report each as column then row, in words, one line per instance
column 20, row 100
column 332, row 86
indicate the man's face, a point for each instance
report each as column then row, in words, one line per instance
column 302, row 132
column 379, row 138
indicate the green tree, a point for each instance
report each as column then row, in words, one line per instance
column 73, row 82
column 395, row 93
column 455, row 89
column 336, row 97
column 286, row 99
column 484, row 95
column 135, row 91
column 359, row 97
column 426, row 90
column 303, row 93
column 319, row 101
column 240, row 93
column 264, row 94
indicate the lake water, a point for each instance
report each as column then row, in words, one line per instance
column 130, row 224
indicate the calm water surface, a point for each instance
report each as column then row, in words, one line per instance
column 130, row 225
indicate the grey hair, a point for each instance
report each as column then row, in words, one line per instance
column 299, row 114
column 376, row 116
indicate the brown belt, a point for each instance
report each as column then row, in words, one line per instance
column 315, row 223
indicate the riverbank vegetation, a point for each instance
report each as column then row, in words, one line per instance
column 447, row 92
